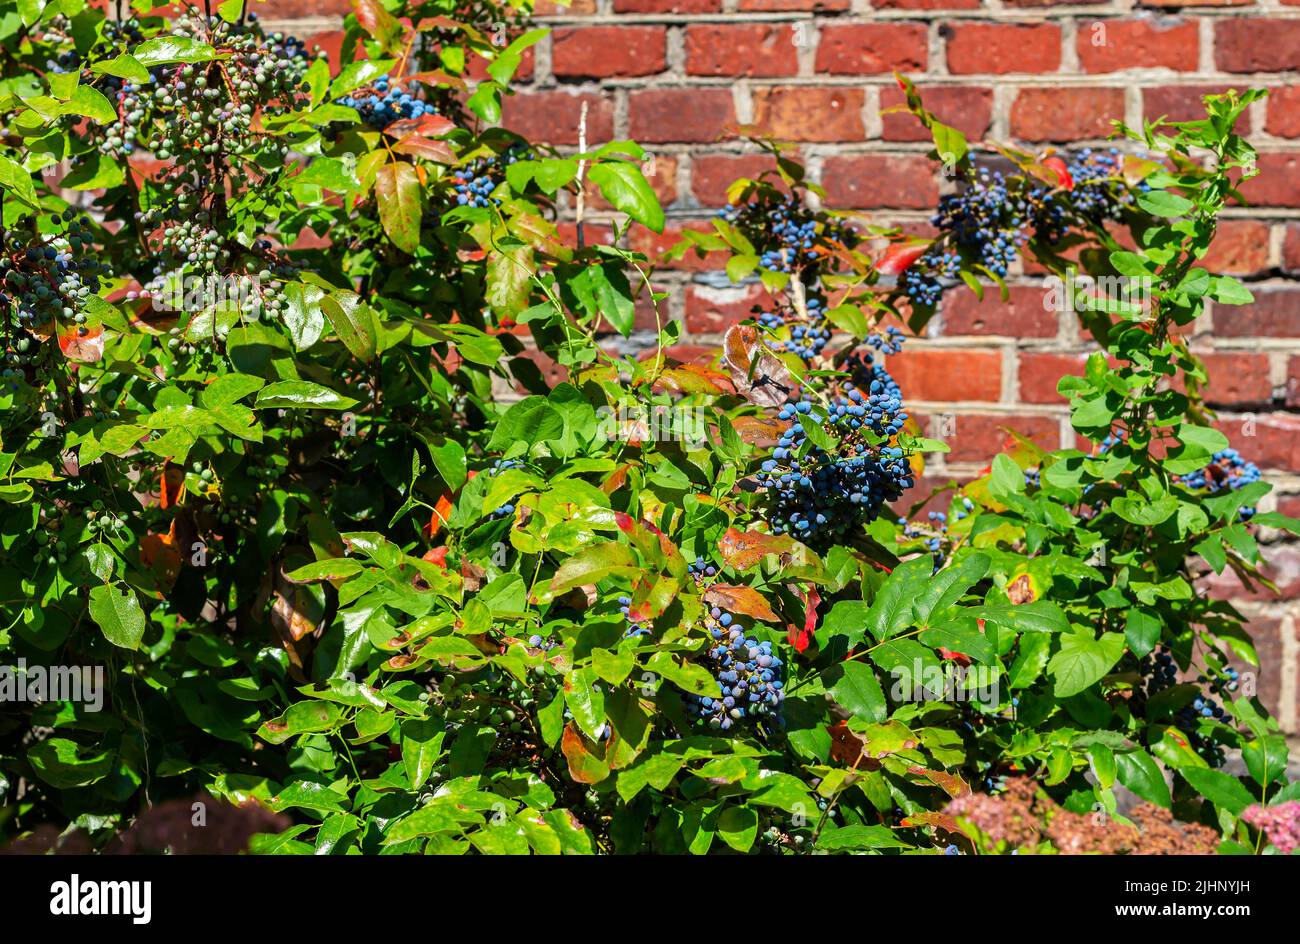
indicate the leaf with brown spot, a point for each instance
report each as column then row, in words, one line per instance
column 759, row 430
column 937, row 820
column 743, row 549
column 1022, row 590
column 584, row 765
column 759, row 375
column 951, row 784
column 743, row 600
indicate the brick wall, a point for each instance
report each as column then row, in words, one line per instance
column 672, row 74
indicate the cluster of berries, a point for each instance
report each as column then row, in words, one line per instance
column 804, row 335
column 1161, row 672
column 383, row 103
column 1227, row 471
column 787, row 235
column 45, row 287
column 815, row 492
column 990, row 219
column 51, row 280
column 748, row 672
column 475, row 183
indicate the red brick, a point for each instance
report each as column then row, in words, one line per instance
column 599, row 52
column 1291, row 248
column 903, row 181
column 946, row 375
column 714, row 310
column 1284, row 112
column 654, row 245
column 1023, row 316
column 1281, row 565
column 1050, row 3
column 1002, row 47
column 1197, row 3
column 331, row 42
column 1289, row 505
column 967, row 108
column 977, row 438
column 1236, row 378
column 776, row 6
column 1256, row 45
column 712, row 174
column 1182, row 103
column 1270, row 440
column 593, row 234
column 1040, row 373
column 1240, row 247
column 1278, row 183
column 692, row 115
column 868, row 48
column 1115, row 45
column 1293, row 383
column 810, row 114
column 1275, row 313
column 754, row 49
column 667, row 6
column 552, row 117
column 926, row 4
column 1065, row 114
column 574, row 8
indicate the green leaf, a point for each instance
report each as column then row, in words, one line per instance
column 1142, row 630
column 1163, row 203
column 738, row 827
column 859, row 692
column 1083, row 660
column 353, row 322
column 301, row 394
column 61, row 763
column 891, row 611
column 1038, row 616
column 949, row 585
column 626, row 188
column 421, row 746
column 167, row 49
column 1221, row 789
column 118, row 614
column 1139, row 772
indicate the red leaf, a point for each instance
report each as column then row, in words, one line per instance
column 958, row 657
column 426, row 126
column 802, row 638
column 899, row 256
column 1057, row 167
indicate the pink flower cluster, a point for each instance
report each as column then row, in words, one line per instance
column 1281, row 824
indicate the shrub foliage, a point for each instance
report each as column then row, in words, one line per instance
column 275, row 453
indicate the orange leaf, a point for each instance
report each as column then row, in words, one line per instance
column 82, row 344
column 743, row 600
